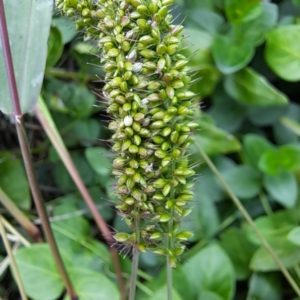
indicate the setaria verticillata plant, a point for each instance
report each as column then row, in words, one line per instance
column 146, row 89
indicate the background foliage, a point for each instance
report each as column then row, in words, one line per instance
column 247, row 54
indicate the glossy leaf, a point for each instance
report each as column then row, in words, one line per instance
column 28, row 25
column 229, row 56
column 66, row 28
column 39, row 272
column 211, row 270
column 249, row 87
column 283, row 52
column 238, row 11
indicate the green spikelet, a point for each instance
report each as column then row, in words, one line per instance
column 147, row 91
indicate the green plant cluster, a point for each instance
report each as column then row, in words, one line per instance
column 247, row 56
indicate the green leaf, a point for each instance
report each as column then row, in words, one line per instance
column 254, row 148
column 244, row 181
column 39, row 272
column 207, row 295
column 99, row 160
column 287, row 252
column 201, row 42
column 296, row 2
column 283, row 188
column 211, row 270
column 28, row 25
column 274, row 161
column 55, row 47
column 265, row 286
column 207, row 20
column 283, row 52
column 234, row 241
column 294, row 236
column 13, row 180
column 229, row 56
column 215, row 140
column 275, row 227
column 229, row 117
column 66, row 27
column 238, row 11
column 162, row 294
column 91, row 285
column 255, row 30
column 249, row 87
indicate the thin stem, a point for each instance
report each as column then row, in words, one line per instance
column 29, row 227
column 266, row 205
column 169, row 279
column 248, row 218
column 135, row 261
column 12, row 261
column 49, row 126
column 15, row 232
column 37, row 196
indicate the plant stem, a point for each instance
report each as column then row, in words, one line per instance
column 169, row 279
column 266, row 205
column 39, row 203
column 13, row 231
column 135, row 261
column 250, row 221
column 49, row 126
column 12, row 261
column 29, row 227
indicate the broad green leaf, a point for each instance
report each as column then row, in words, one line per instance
column 254, row 148
column 229, row 117
column 91, row 285
column 238, row 11
column 274, row 161
column 265, row 286
column 287, row 252
column 99, row 160
column 13, row 180
column 294, row 236
column 255, row 30
column 207, row 20
column 283, row 188
column 207, row 295
column 283, row 52
column 28, row 25
column 211, row 270
column 162, row 294
column 215, row 140
column 66, row 27
column 39, row 272
column 244, row 181
column 275, row 227
column 55, row 47
column 249, row 87
column 229, row 56
column 234, row 241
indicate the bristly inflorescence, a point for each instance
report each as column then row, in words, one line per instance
column 147, row 90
